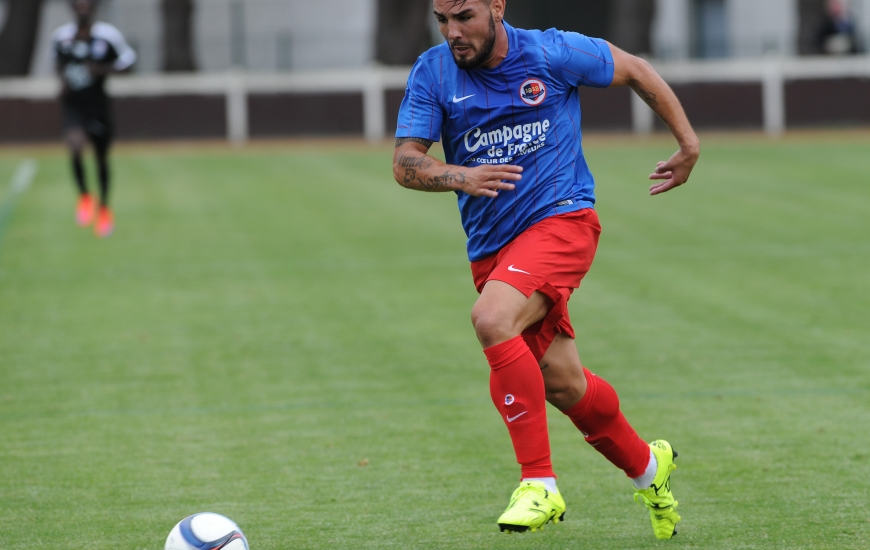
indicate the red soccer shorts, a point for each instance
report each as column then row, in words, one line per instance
column 551, row 257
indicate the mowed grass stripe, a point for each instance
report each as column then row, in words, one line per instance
column 266, row 320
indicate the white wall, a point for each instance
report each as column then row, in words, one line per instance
column 755, row 27
column 762, row 28
column 320, row 34
column 325, row 33
column 671, row 36
column 283, row 33
column 861, row 8
column 311, row 34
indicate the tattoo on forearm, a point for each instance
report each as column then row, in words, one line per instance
column 400, row 141
column 545, row 366
column 437, row 183
column 414, row 164
column 649, row 97
column 405, row 161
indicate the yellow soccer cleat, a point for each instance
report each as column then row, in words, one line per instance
column 531, row 507
column 658, row 497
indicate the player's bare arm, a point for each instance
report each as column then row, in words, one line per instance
column 64, row 85
column 641, row 77
column 415, row 169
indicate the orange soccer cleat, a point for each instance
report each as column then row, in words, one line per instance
column 105, row 223
column 85, row 211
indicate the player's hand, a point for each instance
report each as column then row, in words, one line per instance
column 488, row 180
column 675, row 171
column 97, row 69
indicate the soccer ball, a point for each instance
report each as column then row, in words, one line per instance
column 206, row 531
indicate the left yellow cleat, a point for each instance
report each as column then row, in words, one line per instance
column 531, row 507
column 658, row 497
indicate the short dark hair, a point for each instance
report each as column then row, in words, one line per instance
column 460, row 3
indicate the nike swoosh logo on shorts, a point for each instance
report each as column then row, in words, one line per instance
column 511, row 419
column 515, row 270
column 461, row 99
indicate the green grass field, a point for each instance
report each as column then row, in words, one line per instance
column 281, row 334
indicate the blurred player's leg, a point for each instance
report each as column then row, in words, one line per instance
column 101, row 148
column 105, row 225
column 105, row 219
column 592, row 404
column 76, row 139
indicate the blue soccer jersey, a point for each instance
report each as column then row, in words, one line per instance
column 525, row 111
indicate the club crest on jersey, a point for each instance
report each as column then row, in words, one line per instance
column 533, row 92
column 508, row 399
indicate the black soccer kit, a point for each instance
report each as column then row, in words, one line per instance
column 85, row 102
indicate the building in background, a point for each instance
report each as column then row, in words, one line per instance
column 273, row 44
column 743, row 28
column 725, row 28
column 286, row 35
column 18, row 35
column 257, row 35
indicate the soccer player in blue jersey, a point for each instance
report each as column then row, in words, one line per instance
column 504, row 102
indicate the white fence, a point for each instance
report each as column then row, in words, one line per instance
column 771, row 74
column 236, row 86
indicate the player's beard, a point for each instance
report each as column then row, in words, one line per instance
column 482, row 55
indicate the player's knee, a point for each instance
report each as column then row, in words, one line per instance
column 492, row 327
column 76, row 143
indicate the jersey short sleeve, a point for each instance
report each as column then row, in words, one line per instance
column 421, row 114
column 123, row 55
column 66, row 32
column 585, row 61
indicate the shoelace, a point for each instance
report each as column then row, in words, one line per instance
column 642, row 499
column 523, row 490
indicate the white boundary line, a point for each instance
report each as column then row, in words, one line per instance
column 19, row 183
column 23, row 177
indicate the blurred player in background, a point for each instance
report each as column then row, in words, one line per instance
column 838, row 34
column 85, row 53
column 506, row 105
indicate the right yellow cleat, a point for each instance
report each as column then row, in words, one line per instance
column 658, row 497
column 531, row 507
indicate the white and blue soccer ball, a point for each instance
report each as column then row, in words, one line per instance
column 206, row 531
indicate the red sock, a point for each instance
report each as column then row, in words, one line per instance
column 517, row 390
column 598, row 417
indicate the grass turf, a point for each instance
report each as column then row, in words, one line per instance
column 281, row 334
